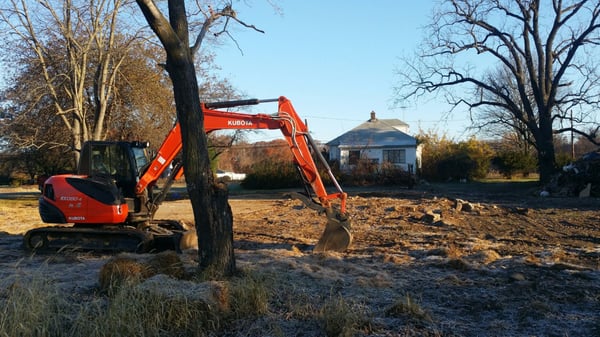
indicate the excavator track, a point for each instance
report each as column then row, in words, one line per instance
column 155, row 236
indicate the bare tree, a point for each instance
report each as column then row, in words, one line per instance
column 131, row 114
column 86, row 32
column 501, row 123
column 212, row 213
column 547, row 48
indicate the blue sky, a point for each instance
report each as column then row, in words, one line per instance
column 335, row 60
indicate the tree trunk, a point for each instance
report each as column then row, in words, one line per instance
column 216, row 242
column 546, row 162
column 545, row 147
column 77, row 143
column 212, row 213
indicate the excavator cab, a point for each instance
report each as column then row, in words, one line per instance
column 119, row 161
column 120, row 165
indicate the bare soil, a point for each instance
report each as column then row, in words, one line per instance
column 440, row 260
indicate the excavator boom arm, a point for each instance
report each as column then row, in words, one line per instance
column 287, row 120
column 295, row 133
column 300, row 143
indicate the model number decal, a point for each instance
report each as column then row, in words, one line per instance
column 70, row 198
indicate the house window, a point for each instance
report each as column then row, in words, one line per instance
column 353, row 157
column 394, row 156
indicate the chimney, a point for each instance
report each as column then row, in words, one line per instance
column 373, row 118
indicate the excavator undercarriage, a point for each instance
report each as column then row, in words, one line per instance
column 155, row 236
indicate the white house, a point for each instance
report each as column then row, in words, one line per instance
column 377, row 140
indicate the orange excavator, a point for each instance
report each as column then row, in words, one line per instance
column 109, row 205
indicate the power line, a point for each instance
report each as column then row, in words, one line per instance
column 413, row 121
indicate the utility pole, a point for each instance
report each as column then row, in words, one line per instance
column 572, row 137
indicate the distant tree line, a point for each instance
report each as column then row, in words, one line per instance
column 269, row 164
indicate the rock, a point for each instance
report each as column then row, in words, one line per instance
column 585, row 193
column 458, row 204
column 490, row 237
column 462, row 205
column 405, row 208
column 430, row 217
column 447, row 223
column 517, row 277
column 468, row 207
column 520, row 210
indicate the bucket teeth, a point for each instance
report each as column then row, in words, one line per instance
column 337, row 236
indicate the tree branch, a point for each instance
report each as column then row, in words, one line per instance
column 228, row 13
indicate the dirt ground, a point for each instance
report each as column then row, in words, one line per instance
column 456, row 260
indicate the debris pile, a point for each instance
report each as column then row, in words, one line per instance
column 580, row 178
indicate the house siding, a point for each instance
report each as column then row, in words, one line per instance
column 342, row 154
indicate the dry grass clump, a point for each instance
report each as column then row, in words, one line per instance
column 167, row 263
column 130, row 269
column 250, row 294
column 33, row 308
column 408, row 307
column 158, row 305
column 398, row 259
column 340, row 318
column 485, row 256
column 134, row 312
column 36, row 307
column 173, row 313
column 455, row 251
column 458, row 264
column 534, row 310
column 120, row 271
column 299, row 305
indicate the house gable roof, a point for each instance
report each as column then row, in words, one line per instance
column 376, row 133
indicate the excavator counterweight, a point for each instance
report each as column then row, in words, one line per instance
column 112, row 199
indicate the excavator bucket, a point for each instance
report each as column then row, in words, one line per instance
column 337, row 236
